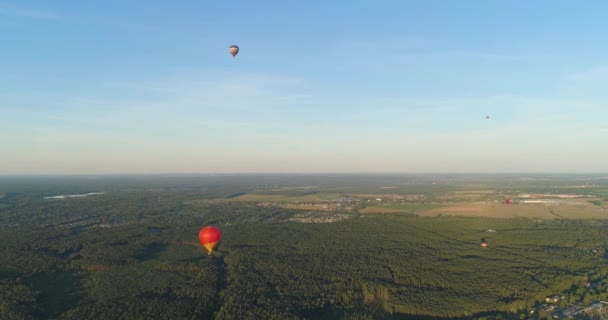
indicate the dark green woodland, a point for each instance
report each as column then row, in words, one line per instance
column 132, row 252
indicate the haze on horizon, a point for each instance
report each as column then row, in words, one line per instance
column 372, row 86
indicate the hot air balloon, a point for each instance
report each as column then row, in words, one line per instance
column 487, row 117
column 484, row 244
column 234, row 50
column 209, row 237
column 508, row 201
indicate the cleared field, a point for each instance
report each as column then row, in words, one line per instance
column 526, row 210
column 380, row 210
column 466, row 195
column 494, row 211
column 581, row 212
column 401, row 208
column 378, row 195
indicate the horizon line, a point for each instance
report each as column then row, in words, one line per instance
column 307, row 173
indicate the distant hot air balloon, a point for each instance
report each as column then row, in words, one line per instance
column 209, row 237
column 487, row 117
column 234, row 50
column 508, row 201
column 484, row 244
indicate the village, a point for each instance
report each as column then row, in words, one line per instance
column 315, row 217
column 341, row 204
column 555, row 307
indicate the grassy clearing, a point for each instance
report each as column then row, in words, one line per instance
column 401, row 208
column 412, row 206
column 466, row 196
column 378, row 195
column 583, row 211
column 494, row 211
column 380, row 210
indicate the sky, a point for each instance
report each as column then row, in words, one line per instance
column 130, row 86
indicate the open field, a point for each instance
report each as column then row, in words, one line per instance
column 577, row 209
column 378, row 195
column 400, row 208
column 469, row 195
column 381, row 210
column 493, row 210
column 583, row 211
column 580, row 212
column 474, row 203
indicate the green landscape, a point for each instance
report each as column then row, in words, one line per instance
column 304, row 247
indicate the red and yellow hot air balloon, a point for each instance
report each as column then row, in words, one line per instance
column 234, row 50
column 209, row 237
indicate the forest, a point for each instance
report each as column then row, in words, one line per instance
column 132, row 252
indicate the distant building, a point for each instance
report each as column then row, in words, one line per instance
column 552, row 299
column 572, row 311
column 598, row 309
column 378, row 199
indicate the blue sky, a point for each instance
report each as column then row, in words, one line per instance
column 341, row 86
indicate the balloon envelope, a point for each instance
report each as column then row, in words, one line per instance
column 234, row 49
column 209, row 237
